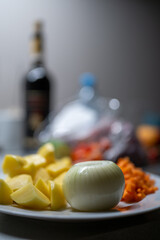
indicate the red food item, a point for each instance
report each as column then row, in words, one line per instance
column 90, row 151
column 87, row 152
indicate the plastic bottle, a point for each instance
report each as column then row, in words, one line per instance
column 85, row 115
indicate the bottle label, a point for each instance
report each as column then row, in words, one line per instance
column 37, row 109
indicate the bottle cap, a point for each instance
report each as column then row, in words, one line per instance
column 87, row 79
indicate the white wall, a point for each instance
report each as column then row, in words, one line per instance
column 117, row 40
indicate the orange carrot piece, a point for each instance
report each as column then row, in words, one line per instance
column 137, row 183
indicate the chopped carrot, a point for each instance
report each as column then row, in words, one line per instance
column 137, row 183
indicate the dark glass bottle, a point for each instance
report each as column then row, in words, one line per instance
column 37, row 90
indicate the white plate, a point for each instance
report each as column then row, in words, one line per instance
column 149, row 203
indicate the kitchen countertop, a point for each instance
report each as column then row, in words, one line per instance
column 145, row 226
column 142, row 226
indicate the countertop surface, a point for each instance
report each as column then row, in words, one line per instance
column 146, row 226
column 142, row 226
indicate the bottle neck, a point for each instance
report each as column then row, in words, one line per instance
column 87, row 93
column 37, row 46
column 37, row 59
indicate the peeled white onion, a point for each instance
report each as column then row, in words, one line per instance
column 94, row 185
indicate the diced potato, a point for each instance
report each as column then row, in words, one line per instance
column 47, row 151
column 29, row 196
column 19, row 181
column 35, row 159
column 66, row 160
column 14, row 165
column 54, row 169
column 57, row 196
column 29, row 168
column 22, row 171
column 5, row 192
column 60, row 178
column 7, row 179
column 43, row 174
column 43, row 187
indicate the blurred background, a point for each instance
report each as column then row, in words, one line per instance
column 118, row 41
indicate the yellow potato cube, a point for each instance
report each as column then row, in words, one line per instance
column 19, row 181
column 66, row 160
column 14, row 165
column 7, row 179
column 57, row 196
column 29, row 168
column 30, row 197
column 60, row 178
column 43, row 187
column 43, row 174
column 54, row 169
column 47, row 151
column 35, row 159
column 5, row 192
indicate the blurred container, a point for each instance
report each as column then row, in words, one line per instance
column 36, row 89
column 82, row 117
column 11, row 129
column 86, row 121
column 148, row 133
